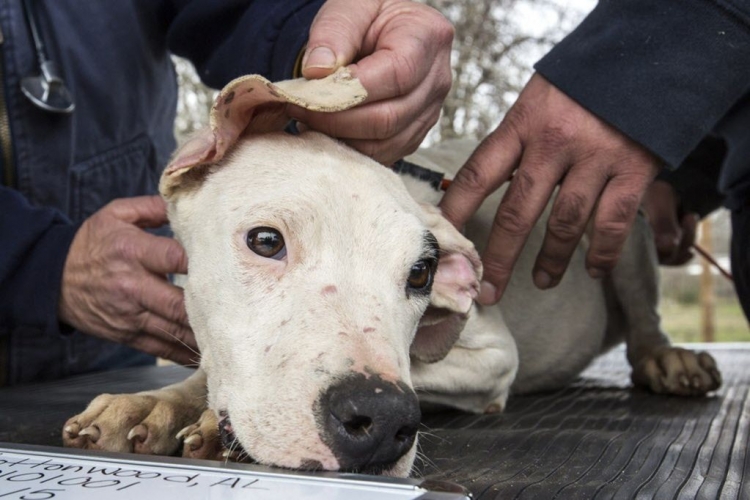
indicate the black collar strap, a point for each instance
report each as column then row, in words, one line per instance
column 436, row 180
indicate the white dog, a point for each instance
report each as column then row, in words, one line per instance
column 322, row 293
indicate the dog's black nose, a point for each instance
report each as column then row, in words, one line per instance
column 368, row 423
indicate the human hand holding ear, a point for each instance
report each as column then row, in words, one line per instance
column 400, row 51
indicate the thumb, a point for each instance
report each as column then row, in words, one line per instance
column 142, row 211
column 336, row 36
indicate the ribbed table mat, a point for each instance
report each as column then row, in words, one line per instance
column 598, row 438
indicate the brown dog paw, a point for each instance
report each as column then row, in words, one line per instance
column 135, row 423
column 673, row 370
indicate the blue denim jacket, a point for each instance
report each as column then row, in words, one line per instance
column 114, row 57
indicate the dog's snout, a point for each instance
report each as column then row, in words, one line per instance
column 367, row 422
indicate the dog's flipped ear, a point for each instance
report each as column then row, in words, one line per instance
column 253, row 105
column 454, row 289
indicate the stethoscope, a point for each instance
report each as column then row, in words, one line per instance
column 46, row 91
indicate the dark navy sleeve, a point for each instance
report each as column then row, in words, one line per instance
column 697, row 179
column 662, row 72
column 35, row 243
column 232, row 38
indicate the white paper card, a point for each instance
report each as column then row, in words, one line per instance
column 33, row 475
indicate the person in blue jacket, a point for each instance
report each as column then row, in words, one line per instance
column 636, row 88
column 83, row 286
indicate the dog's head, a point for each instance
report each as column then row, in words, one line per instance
column 310, row 271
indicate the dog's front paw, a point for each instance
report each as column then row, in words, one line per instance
column 673, row 370
column 136, row 423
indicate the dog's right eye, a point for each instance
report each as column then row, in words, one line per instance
column 420, row 275
column 266, row 242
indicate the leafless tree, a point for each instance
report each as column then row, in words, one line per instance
column 496, row 44
column 194, row 101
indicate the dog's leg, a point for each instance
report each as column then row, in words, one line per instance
column 477, row 373
column 635, row 289
column 146, row 422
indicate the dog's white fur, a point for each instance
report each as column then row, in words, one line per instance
column 274, row 334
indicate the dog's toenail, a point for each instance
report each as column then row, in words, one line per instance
column 92, row 432
column 140, row 431
column 194, row 441
column 183, row 432
column 493, row 408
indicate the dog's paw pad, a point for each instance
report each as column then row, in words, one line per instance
column 673, row 370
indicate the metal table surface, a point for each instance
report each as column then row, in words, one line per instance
column 598, row 438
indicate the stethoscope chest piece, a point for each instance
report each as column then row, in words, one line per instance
column 46, row 91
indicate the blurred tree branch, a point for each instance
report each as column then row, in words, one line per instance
column 496, row 44
column 194, row 100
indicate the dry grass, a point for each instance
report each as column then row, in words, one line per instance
column 683, row 321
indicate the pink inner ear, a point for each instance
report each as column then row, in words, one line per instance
column 197, row 150
column 456, row 284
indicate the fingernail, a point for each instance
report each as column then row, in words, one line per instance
column 487, row 293
column 596, row 273
column 542, row 280
column 320, row 57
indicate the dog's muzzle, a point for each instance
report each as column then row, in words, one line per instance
column 367, row 422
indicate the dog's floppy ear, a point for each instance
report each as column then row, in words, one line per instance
column 454, row 289
column 253, row 105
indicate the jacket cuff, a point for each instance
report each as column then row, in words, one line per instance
column 36, row 242
column 663, row 73
column 42, row 292
column 696, row 181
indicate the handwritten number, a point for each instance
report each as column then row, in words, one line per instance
column 13, row 492
column 49, row 494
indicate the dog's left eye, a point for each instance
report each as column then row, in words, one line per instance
column 266, row 242
column 420, row 275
